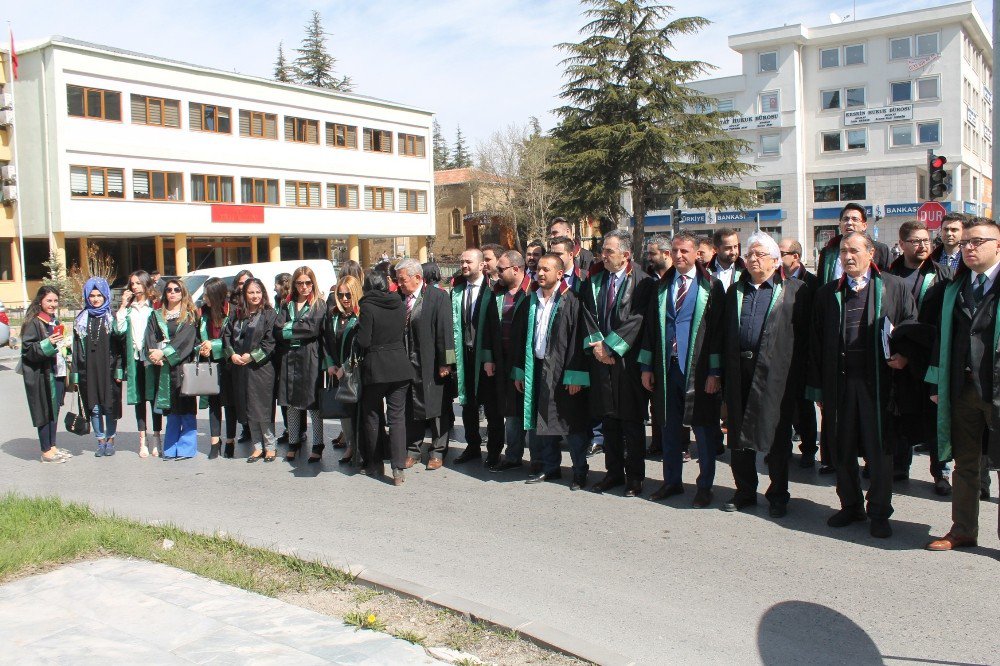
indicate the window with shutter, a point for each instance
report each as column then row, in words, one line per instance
column 245, row 123
column 172, row 113
column 210, row 118
column 352, row 196
column 421, row 202
column 154, row 111
column 140, row 184
column 369, row 198
column 378, row 141
column 93, row 103
column 78, row 181
column 289, row 192
column 96, row 183
column 341, row 136
column 116, row 183
column 411, row 145
column 138, row 109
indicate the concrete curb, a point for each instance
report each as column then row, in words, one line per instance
column 538, row 633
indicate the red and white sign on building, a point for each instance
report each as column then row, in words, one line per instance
column 932, row 214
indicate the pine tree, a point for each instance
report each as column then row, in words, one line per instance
column 461, row 159
column 282, row 71
column 315, row 66
column 536, row 127
column 440, row 148
column 629, row 119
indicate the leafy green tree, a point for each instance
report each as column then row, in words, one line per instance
column 631, row 122
column 439, row 149
column 461, row 159
column 69, row 288
column 282, row 71
column 314, row 65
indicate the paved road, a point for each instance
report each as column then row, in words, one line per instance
column 658, row 582
column 129, row 612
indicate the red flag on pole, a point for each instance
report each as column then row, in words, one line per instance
column 13, row 56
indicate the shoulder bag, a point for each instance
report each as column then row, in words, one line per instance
column 199, row 379
column 78, row 424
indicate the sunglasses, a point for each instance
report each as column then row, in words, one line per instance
column 347, row 295
column 306, row 283
column 173, row 290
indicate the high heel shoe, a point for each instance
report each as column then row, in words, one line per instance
column 213, row 451
column 346, row 460
column 230, row 450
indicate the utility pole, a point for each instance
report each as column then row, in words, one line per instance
column 994, row 123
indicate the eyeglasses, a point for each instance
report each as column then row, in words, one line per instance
column 757, row 255
column 973, row 243
column 173, row 290
column 303, row 283
column 919, row 241
column 786, row 254
column 501, row 269
column 341, row 295
column 851, row 219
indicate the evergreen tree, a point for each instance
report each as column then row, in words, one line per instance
column 536, row 127
column 461, row 159
column 282, row 71
column 315, row 66
column 440, row 148
column 630, row 120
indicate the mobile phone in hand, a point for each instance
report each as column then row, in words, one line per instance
column 59, row 329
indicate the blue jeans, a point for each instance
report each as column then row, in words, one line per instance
column 673, row 427
column 546, row 448
column 103, row 424
column 515, row 436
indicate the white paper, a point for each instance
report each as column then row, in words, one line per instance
column 887, row 328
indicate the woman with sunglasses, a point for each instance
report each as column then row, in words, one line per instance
column 97, row 364
column 299, row 331
column 170, row 342
column 215, row 312
column 131, row 320
column 249, row 345
column 341, row 331
column 44, row 369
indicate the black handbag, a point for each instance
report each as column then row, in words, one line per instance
column 78, row 424
column 330, row 407
column 349, row 388
column 199, row 379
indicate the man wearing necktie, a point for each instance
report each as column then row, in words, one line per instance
column 850, row 378
column 963, row 372
column 615, row 297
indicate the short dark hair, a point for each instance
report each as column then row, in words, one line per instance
column 907, row 228
column 704, row 240
column 954, row 217
column 869, row 243
column 555, row 257
column 432, row 272
column 535, row 243
column 689, row 237
column 980, row 222
column 376, row 280
column 565, row 241
column 854, row 206
column 515, row 258
column 496, row 249
column 724, row 232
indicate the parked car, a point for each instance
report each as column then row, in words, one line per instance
column 265, row 271
column 4, row 326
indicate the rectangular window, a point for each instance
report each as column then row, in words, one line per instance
column 769, row 101
column 94, row 103
column 211, row 189
column 829, row 58
column 770, row 144
column 724, row 105
column 929, row 132
column 826, row 189
column 831, row 141
column 157, row 185
column 378, row 141
column 901, row 135
column 341, row 136
column 301, row 194
column 857, row 139
column 263, row 191
column 258, row 124
column 853, row 189
column 341, row 196
column 899, row 48
column 411, row 145
column 97, row 182
column 156, row 111
column 768, row 61
column 928, row 88
column 854, row 97
column 927, row 44
column 379, row 198
column 770, row 191
column 301, row 130
column 900, row 91
column 6, row 259
column 209, row 118
column 854, row 54
column 413, row 201
column 829, row 99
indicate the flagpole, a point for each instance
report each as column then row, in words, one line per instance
column 13, row 150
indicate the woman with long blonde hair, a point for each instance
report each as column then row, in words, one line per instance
column 341, row 330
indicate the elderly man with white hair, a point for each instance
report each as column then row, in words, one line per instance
column 763, row 344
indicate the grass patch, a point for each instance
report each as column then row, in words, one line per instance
column 365, row 595
column 411, row 636
column 364, row 620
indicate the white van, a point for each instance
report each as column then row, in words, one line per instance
column 266, row 272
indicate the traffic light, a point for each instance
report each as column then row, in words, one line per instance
column 939, row 182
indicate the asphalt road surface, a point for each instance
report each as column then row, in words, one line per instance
column 659, row 582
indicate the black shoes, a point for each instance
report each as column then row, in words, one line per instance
column 739, row 503
column 579, row 482
column 666, row 491
column 826, row 469
column 467, row 455
column 702, row 498
column 807, row 462
column 846, row 516
column 230, row 450
column 540, row 478
column 213, row 451
column 880, row 528
column 942, row 486
column 491, row 462
column 984, row 494
column 283, row 439
column 777, row 510
column 633, row 489
column 607, row 483
column 505, row 465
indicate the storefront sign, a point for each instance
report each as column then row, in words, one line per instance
column 908, row 209
column 882, row 114
column 760, row 121
column 971, row 208
column 238, row 214
column 728, row 216
column 917, row 63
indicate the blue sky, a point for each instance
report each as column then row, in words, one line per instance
column 482, row 64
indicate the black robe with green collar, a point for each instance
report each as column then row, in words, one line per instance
column 479, row 333
column 252, row 388
column 510, row 401
column 178, row 338
column 299, row 333
column 38, row 368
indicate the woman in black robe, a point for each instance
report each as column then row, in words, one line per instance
column 97, row 366
column 248, row 340
column 215, row 313
column 44, row 369
column 341, row 331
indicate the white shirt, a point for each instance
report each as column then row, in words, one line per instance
column 138, row 314
column 542, row 315
column 690, row 275
column 414, row 296
column 838, row 268
column 725, row 275
column 860, row 281
column 991, row 276
column 472, row 289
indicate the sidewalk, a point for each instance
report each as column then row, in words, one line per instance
column 128, row 611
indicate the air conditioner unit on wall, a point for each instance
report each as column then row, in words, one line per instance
column 6, row 117
column 6, row 101
column 9, row 193
column 8, row 174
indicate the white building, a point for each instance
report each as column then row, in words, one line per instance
column 847, row 112
column 177, row 166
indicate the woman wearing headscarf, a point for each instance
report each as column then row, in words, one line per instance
column 131, row 320
column 44, row 369
column 97, row 364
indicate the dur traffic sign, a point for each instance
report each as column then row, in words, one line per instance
column 932, row 214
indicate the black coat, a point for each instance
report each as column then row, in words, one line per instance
column 617, row 389
column 510, row 401
column 380, row 338
column 301, row 340
column 777, row 383
column 829, row 254
column 826, row 376
column 97, row 367
column 477, row 329
column 700, row 408
column 548, row 408
column 180, row 350
column 810, row 280
column 218, row 357
column 252, row 386
column 430, row 345
column 38, row 363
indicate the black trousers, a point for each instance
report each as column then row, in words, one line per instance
column 805, row 425
column 624, row 449
column 857, row 423
column 394, row 394
column 744, row 461
column 470, row 412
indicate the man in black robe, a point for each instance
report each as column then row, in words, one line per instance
column 615, row 298
column 582, row 257
column 850, row 376
column 764, row 333
column 431, row 348
column 853, row 219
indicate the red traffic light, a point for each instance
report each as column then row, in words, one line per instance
column 939, row 162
